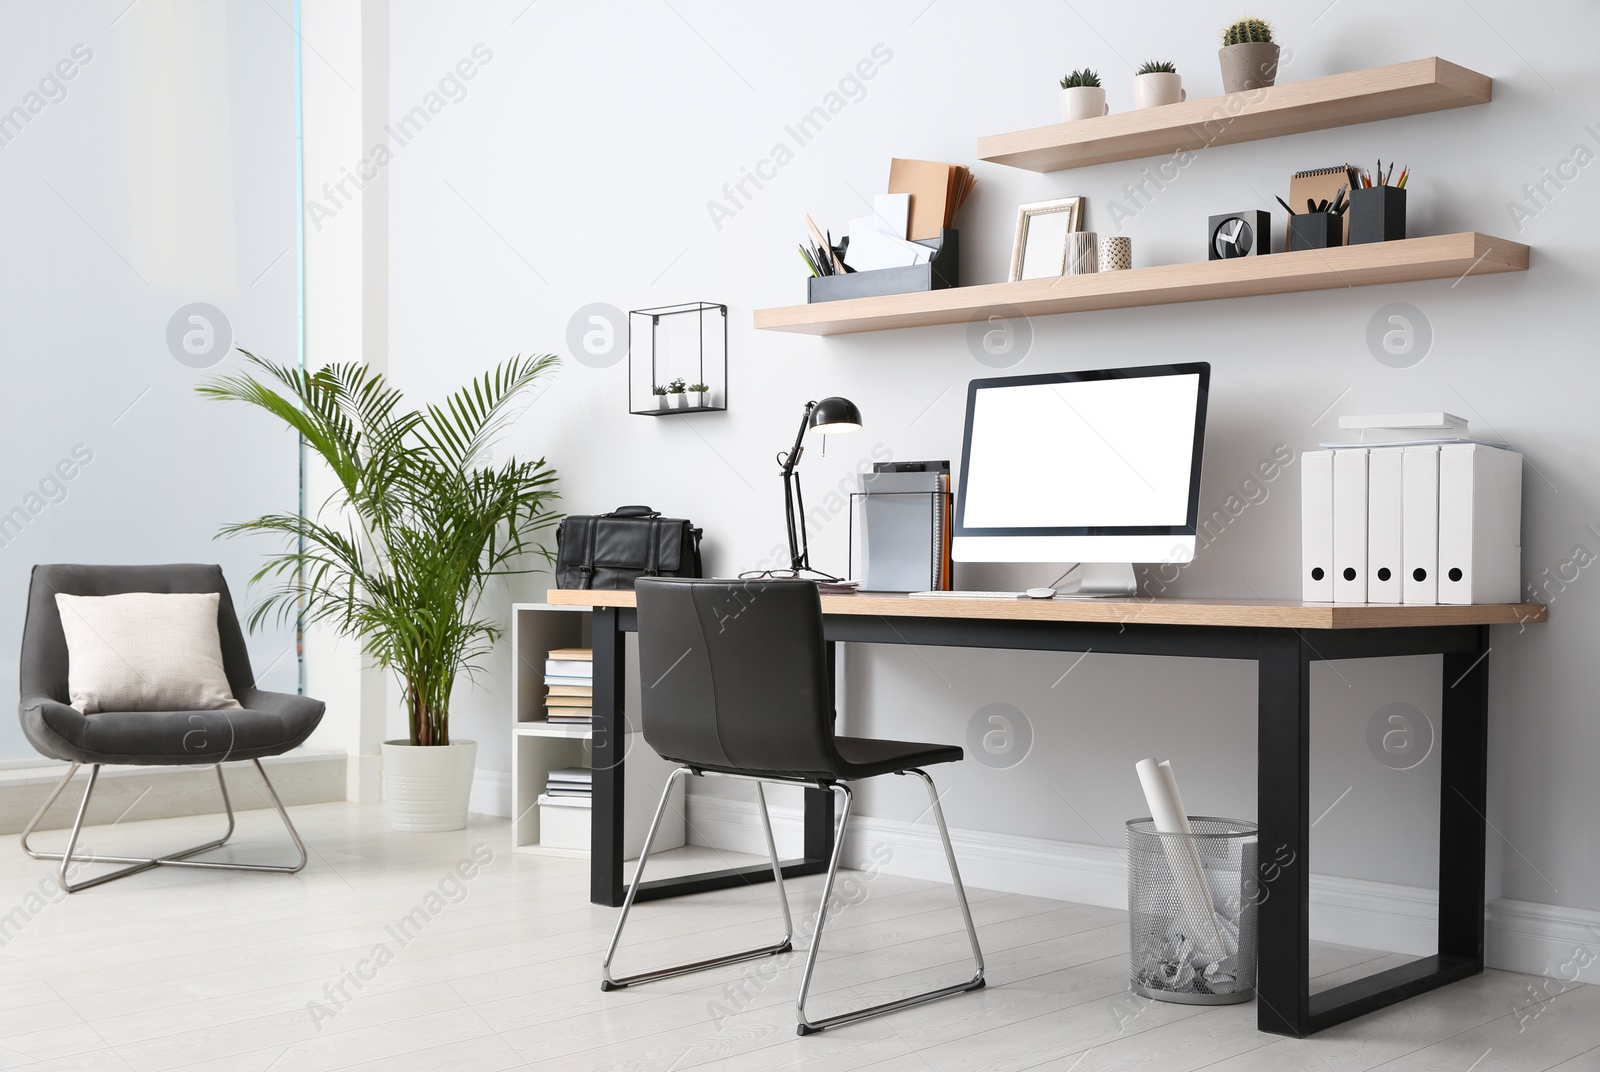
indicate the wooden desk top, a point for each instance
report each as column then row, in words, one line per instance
column 1251, row 613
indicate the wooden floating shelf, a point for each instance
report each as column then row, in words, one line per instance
column 1411, row 88
column 1451, row 256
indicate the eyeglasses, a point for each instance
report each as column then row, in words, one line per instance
column 766, row 574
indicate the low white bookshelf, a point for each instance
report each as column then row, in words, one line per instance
column 539, row 746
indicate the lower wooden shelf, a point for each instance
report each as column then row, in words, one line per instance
column 1453, row 256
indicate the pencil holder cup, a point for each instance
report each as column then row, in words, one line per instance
column 1081, row 256
column 1315, row 230
column 1192, row 911
column 1377, row 214
column 1116, row 254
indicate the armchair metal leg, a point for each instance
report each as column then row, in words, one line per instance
column 808, row 1026
column 70, row 861
column 611, row 982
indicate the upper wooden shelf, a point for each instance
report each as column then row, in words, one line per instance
column 1412, row 88
column 1438, row 257
column 1247, row 613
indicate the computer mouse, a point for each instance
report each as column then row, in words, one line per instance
column 1041, row 593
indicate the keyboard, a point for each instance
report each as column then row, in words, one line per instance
column 969, row 595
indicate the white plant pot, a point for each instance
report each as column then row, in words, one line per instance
column 661, row 401
column 1158, row 88
column 699, row 399
column 427, row 788
column 676, row 400
column 1083, row 102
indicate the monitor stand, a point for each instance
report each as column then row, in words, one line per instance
column 1099, row 579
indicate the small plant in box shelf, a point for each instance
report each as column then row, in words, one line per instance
column 1157, row 82
column 660, row 394
column 699, row 396
column 675, row 391
column 1082, row 96
column 1249, row 56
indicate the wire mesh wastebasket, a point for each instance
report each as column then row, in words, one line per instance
column 1192, row 911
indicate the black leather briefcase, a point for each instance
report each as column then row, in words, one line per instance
column 611, row 550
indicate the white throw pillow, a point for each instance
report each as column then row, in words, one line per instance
column 144, row 651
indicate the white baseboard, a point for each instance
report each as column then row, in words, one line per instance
column 491, row 793
column 1521, row 936
column 300, row 777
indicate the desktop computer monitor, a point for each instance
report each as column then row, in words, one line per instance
column 1088, row 467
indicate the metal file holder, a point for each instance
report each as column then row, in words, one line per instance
column 940, row 273
column 850, row 527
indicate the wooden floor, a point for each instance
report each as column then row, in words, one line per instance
column 233, row 972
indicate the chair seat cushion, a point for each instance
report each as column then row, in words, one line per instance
column 270, row 724
column 866, row 757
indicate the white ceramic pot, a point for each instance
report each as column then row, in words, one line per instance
column 661, row 401
column 1081, row 256
column 1158, row 88
column 1251, row 65
column 699, row 399
column 676, row 399
column 427, row 788
column 1083, row 102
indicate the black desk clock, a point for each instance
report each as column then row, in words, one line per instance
column 1239, row 234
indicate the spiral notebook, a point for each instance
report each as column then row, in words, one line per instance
column 1320, row 184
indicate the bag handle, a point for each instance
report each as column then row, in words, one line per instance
column 633, row 511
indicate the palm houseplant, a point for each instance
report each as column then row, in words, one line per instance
column 398, row 556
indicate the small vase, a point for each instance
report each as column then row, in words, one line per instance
column 699, row 399
column 1158, row 88
column 1250, row 65
column 661, row 401
column 675, row 400
column 1083, row 102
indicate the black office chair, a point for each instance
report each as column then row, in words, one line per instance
column 269, row 724
column 736, row 685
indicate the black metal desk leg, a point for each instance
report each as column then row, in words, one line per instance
column 610, row 744
column 1463, row 791
column 819, row 817
column 1283, row 776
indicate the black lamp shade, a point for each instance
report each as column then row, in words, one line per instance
column 834, row 416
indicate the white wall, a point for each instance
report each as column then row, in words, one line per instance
column 151, row 167
column 578, row 166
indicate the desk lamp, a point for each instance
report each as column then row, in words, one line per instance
column 831, row 416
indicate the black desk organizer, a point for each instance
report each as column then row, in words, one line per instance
column 938, row 274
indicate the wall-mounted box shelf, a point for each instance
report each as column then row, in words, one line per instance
column 1411, row 88
column 1452, row 256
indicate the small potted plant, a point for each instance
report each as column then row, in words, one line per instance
column 699, row 396
column 1082, row 96
column 1249, row 56
column 675, row 391
column 1157, row 82
column 660, row 394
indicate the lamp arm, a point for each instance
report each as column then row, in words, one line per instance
column 792, row 459
column 793, row 516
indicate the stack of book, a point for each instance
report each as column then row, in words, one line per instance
column 569, row 787
column 569, row 674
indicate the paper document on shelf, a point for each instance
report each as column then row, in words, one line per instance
column 894, row 212
column 871, row 247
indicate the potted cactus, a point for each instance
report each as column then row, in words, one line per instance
column 1157, row 82
column 1082, row 96
column 699, row 396
column 675, row 391
column 660, row 394
column 1249, row 56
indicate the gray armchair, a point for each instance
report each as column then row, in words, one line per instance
column 268, row 724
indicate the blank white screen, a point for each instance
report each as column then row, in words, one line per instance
column 1088, row 453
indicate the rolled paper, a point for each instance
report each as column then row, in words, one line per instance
column 1166, row 809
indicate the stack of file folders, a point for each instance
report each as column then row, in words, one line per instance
column 569, row 676
column 905, row 531
column 569, row 787
column 1437, row 519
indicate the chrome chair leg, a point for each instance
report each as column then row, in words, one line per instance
column 70, row 861
column 808, row 1026
column 610, row 982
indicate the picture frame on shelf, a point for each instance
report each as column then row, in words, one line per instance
column 1039, row 250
